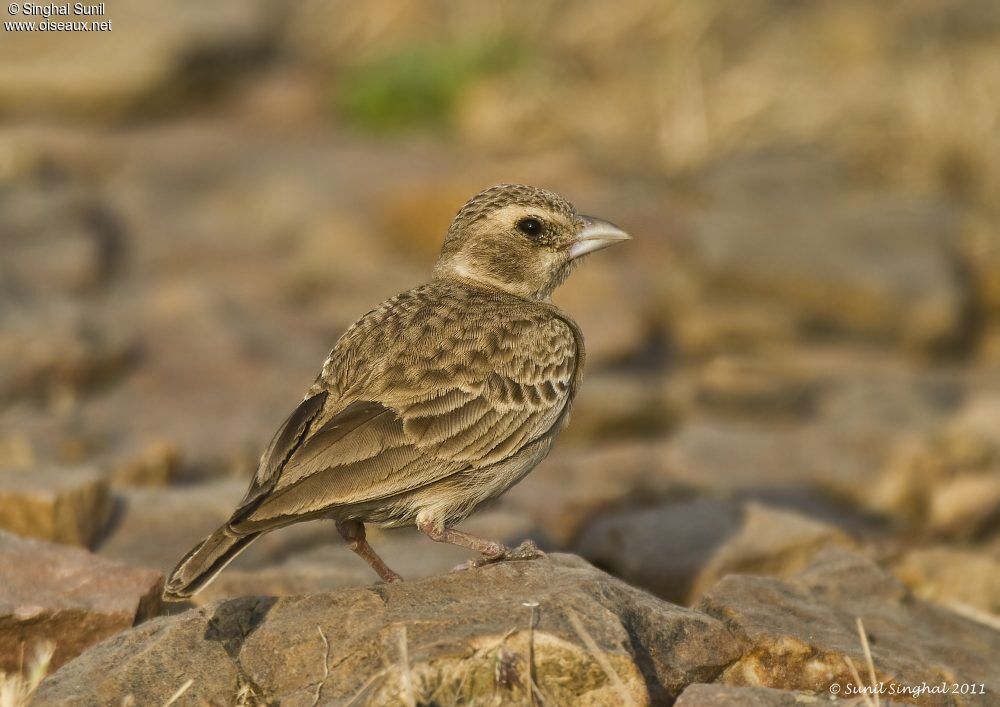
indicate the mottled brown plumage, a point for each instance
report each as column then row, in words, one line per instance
column 437, row 400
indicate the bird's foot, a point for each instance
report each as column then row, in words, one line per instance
column 527, row 550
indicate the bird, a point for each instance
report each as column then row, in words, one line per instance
column 435, row 401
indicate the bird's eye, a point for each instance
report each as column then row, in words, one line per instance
column 530, row 226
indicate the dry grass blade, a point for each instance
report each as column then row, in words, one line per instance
column 856, row 676
column 180, row 692
column 532, row 687
column 868, row 659
column 404, row 669
column 16, row 689
column 326, row 666
column 364, row 688
column 592, row 648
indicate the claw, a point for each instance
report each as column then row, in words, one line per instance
column 525, row 551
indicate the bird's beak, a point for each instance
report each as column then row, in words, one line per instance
column 596, row 234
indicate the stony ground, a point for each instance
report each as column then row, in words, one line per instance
column 791, row 415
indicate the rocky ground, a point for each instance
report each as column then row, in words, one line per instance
column 790, row 423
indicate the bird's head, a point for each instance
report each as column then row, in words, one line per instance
column 520, row 239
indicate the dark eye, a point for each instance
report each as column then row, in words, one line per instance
column 530, row 226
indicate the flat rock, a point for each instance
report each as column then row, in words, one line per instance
column 797, row 634
column 66, row 596
column 678, row 550
column 62, row 505
column 466, row 637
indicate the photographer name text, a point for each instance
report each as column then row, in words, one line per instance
column 77, row 9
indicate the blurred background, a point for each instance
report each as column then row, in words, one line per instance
column 800, row 348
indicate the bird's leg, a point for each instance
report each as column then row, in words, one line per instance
column 491, row 550
column 353, row 532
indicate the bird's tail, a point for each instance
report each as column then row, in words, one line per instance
column 204, row 562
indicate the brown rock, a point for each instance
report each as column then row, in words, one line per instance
column 678, row 550
column 154, row 463
column 67, row 597
column 797, row 634
column 464, row 637
column 62, row 505
column 954, row 576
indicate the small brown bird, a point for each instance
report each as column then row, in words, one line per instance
column 437, row 400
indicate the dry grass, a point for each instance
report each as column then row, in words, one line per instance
column 16, row 689
column 869, row 695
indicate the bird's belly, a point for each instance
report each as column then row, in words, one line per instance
column 453, row 498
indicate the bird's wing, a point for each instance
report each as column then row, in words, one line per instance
column 431, row 409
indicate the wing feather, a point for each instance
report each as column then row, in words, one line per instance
column 479, row 384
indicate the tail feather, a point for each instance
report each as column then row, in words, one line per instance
column 200, row 566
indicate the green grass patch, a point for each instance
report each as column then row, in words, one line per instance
column 417, row 85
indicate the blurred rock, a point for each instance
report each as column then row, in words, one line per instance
column 600, row 298
column 760, row 386
column 467, row 636
column 966, row 507
column 678, row 550
column 797, row 634
column 62, row 505
column 613, row 406
column 947, row 485
column 168, row 58
column 154, row 463
column 568, row 489
column 55, row 352
column 700, row 695
column 953, row 576
column 155, row 527
column 876, row 266
column 52, row 593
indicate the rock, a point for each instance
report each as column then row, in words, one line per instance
column 464, row 637
column 797, row 634
column 707, row 539
column 613, row 406
column 153, row 463
column 62, row 505
column 568, row 489
column 68, row 597
column 880, row 267
column 966, row 507
column 953, row 576
column 701, row 695
column 169, row 55
column 757, row 386
column 945, row 484
column 601, row 299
